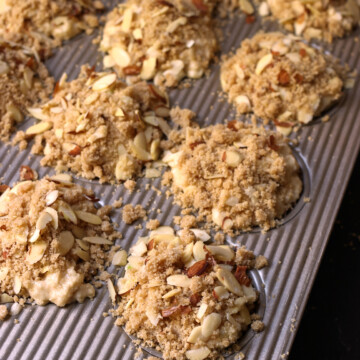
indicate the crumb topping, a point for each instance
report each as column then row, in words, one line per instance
column 43, row 24
column 24, row 81
column 184, row 298
column 52, row 240
column 161, row 40
column 316, row 19
column 98, row 127
column 236, row 176
column 280, row 78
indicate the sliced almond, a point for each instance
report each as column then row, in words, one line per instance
column 221, row 252
column 246, row 7
column 127, row 20
column 167, row 230
column 43, row 220
column 5, row 299
column 209, row 325
column 68, row 213
column 232, row 158
column 263, row 63
column 39, row 128
column 112, row 291
column 264, row 9
column 88, row 217
column 104, row 82
column 229, row 281
column 195, row 335
column 178, row 280
column 198, row 354
column 35, row 236
column 66, row 242
column 221, row 293
column 97, row 240
column 171, row 294
column 38, row 114
column 83, row 244
column 198, row 251
column 120, row 258
column 175, row 24
column 137, row 33
column 187, row 253
column 140, row 153
column 202, row 310
column 17, row 284
column 54, row 216
column 51, row 197
column 36, row 252
column 84, row 255
column 148, row 69
column 65, row 179
column 120, row 56
column 139, row 249
column 4, row 67
column 15, row 113
column 91, row 98
column 152, row 173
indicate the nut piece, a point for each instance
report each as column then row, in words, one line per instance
column 198, row 354
column 194, row 335
column 104, row 82
column 209, row 325
column 148, row 69
column 171, row 293
column 120, row 258
column 97, row 240
column 51, row 197
column 263, row 63
column 179, row 280
column 198, row 268
column 66, row 242
column 112, row 291
column 232, row 157
column 229, row 281
column 222, row 252
column 198, row 251
column 36, row 252
column 88, row 217
column 38, row 128
column 68, row 213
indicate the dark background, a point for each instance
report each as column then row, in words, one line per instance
column 330, row 327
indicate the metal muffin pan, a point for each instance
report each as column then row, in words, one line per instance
column 327, row 154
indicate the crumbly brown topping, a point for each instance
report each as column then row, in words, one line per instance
column 184, row 298
column 132, row 213
column 319, row 19
column 23, row 82
column 280, row 78
column 161, row 40
column 43, row 24
column 236, row 176
column 98, row 127
column 52, row 240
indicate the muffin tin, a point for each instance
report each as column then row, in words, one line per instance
column 326, row 153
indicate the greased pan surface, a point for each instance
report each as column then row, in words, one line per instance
column 326, row 152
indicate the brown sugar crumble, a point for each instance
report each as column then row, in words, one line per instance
column 43, row 24
column 98, row 127
column 202, row 293
column 160, row 40
column 282, row 79
column 132, row 213
column 317, row 19
column 152, row 224
column 24, row 81
column 235, row 176
column 52, row 241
